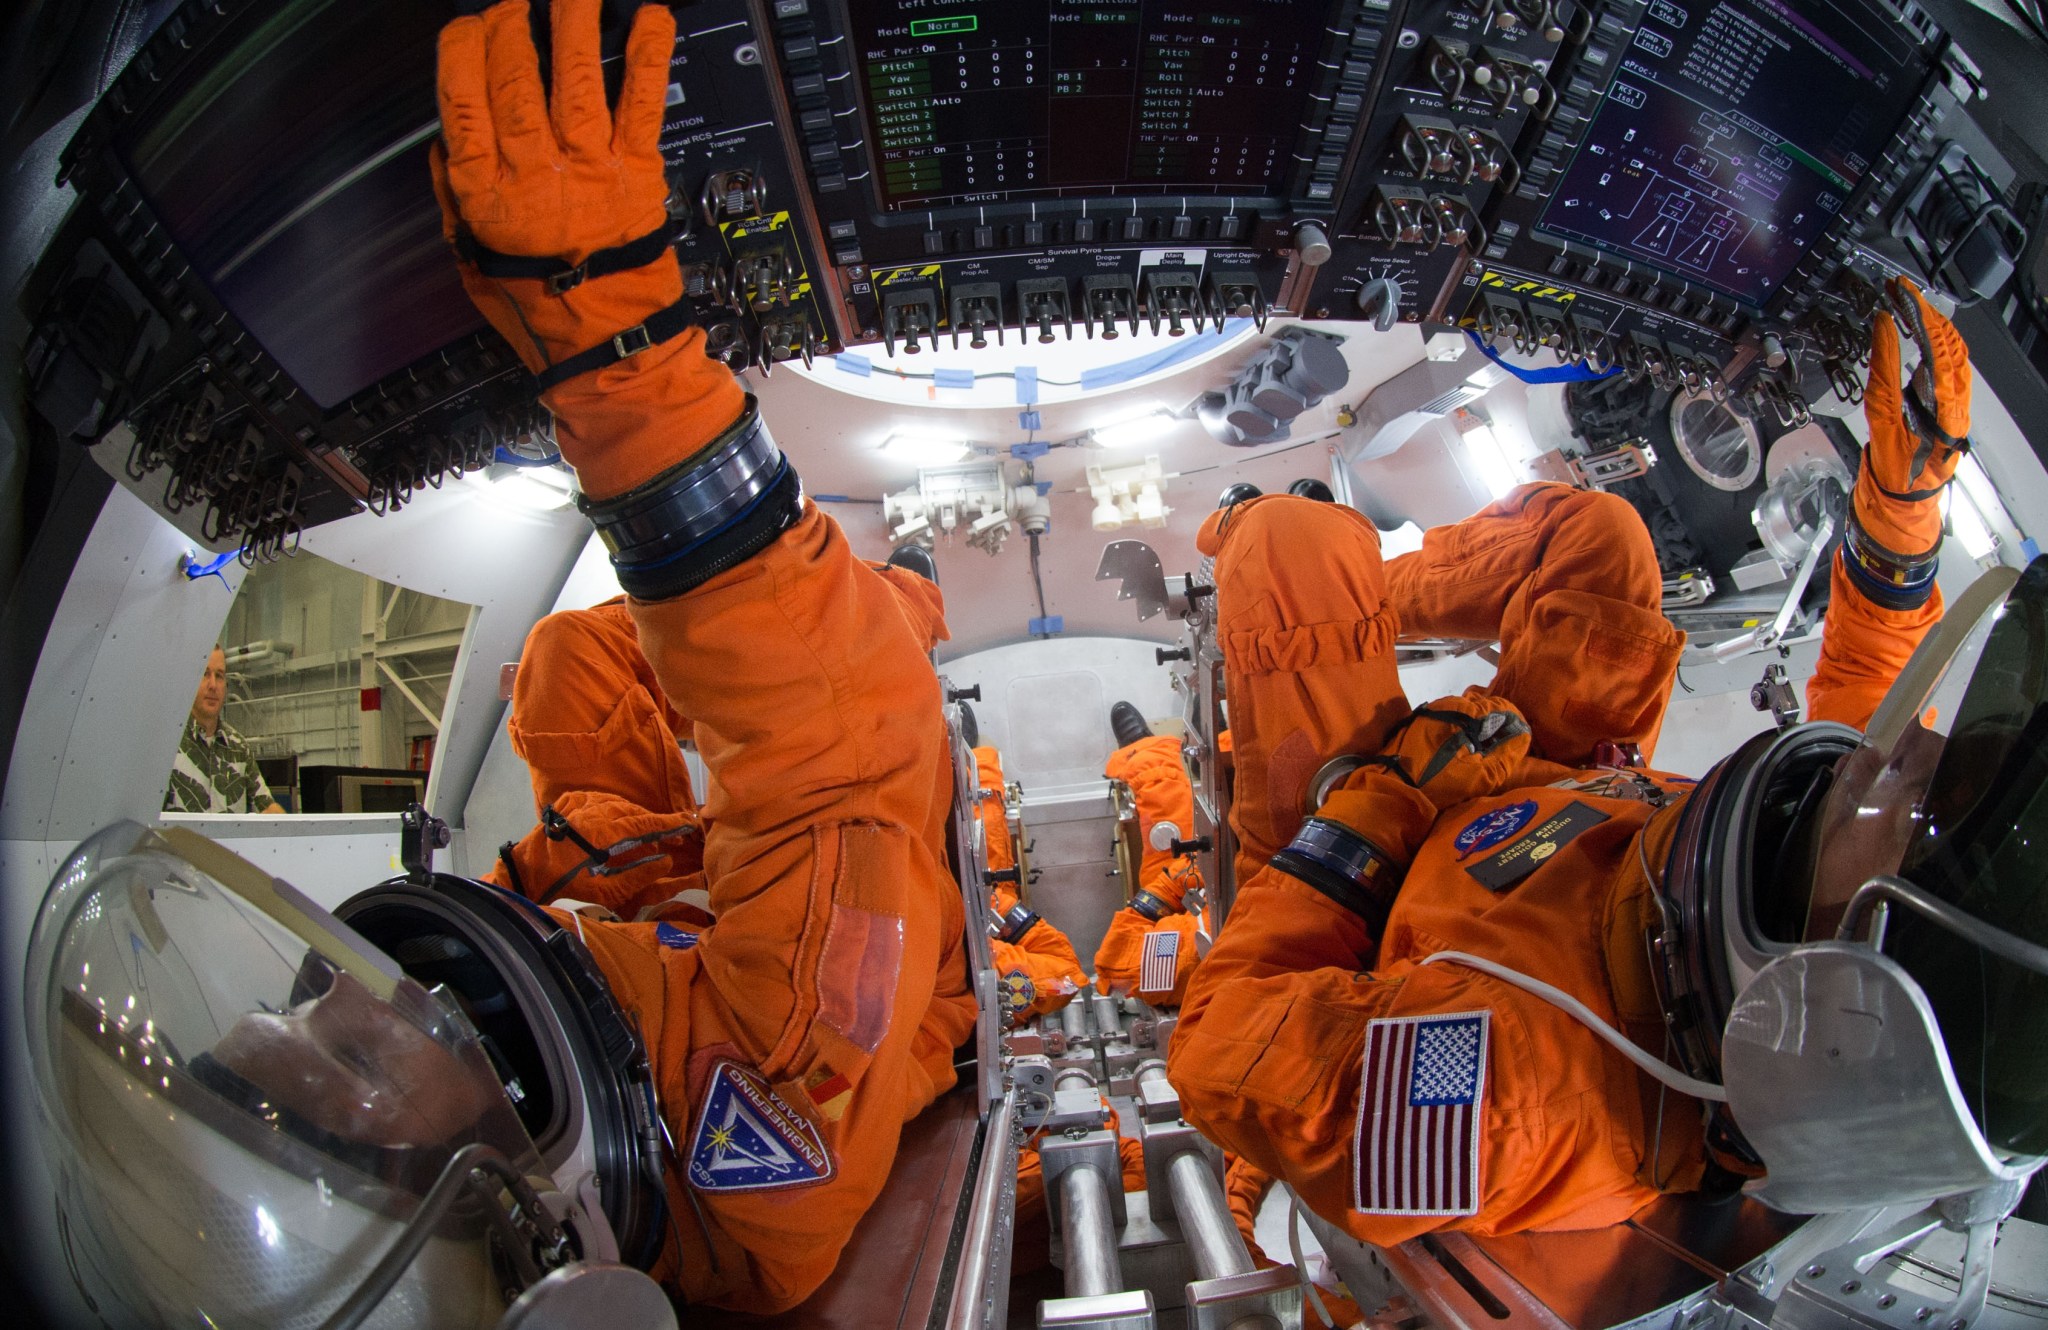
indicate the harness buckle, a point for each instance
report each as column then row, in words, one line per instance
column 569, row 279
column 633, row 341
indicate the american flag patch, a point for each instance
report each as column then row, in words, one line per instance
column 1417, row 1141
column 1161, row 960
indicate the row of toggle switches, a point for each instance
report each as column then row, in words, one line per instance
column 1173, row 300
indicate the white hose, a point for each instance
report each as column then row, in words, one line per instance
column 1583, row 1014
column 1315, row 1295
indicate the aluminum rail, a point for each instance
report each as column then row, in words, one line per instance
column 1089, row 1234
column 1214, row 1245
column 973, row 1304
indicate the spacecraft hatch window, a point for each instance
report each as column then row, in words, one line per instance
column 338, row 681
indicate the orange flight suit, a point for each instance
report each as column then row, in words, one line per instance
column 823, row 977
column 1545, row 875
column 1039, row 972
column 1159, row 786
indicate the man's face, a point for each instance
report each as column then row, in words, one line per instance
column 213, row 689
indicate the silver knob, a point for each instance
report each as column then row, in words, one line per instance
column 1312, row 244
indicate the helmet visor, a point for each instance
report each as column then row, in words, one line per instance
column 244, row 1103
column 1980, row 843
column 1950, row 791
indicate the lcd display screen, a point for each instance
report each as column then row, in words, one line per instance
column 981, row 100
column 293, row 177
column 1732, row 135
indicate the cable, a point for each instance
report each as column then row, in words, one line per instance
column 1308, row 1286
column 1580, row 1012
column 1579, row 373
column 1038, row 581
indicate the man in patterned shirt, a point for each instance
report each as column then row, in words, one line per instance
column 214, row 771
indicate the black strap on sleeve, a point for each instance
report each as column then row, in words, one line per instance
column 1344, row 866
column 1887, row 579
column 1149, row 906
column 562, row 278
column 1013, row 926
column 660, row 327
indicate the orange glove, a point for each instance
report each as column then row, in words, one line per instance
column 1365, row 834
column 1917, row 437
column 527, row 176
column 597, row 847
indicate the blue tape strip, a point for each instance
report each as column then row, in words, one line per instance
column 1024, row 452
column 1052, row 623
column 212, row 567
column 1027, row 390
column 850, row 363
column 1029, row 419
column 953, row 378
column 1126, row 370
column 510, row 458
column 1558, row 374
column 1042, row 486
column 2031, row 550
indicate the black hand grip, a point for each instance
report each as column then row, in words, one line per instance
column 1200, row 844
column 960, row 694
column 1165, row 654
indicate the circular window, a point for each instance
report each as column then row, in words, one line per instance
column 1719, row 446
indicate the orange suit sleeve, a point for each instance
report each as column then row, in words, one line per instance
column 1863, row 647
column 988, row 806
column 1120, row 960
column 1045, row 958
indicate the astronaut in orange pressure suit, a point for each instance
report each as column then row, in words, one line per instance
column 1156, row 923
column 1326, row 1038
column 819, row 994
column 1036, row 968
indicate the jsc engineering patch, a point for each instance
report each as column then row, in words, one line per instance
column 1505, row 867
column 748, row 1139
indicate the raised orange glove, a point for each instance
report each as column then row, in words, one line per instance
column 523, row 177
column 1918, row 435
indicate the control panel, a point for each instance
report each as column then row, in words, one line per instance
column 1704, row 204
column 1701, row 193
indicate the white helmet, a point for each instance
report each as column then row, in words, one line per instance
column 1856, row 932
column 256, row 1118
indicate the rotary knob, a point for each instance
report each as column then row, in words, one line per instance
column 1380, row 301
column 1312, row 243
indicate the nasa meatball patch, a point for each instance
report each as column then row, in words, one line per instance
column 1505, row 867
column 748, row 1139
column 1494, row 826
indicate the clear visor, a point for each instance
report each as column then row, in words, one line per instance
column 244, row 1102
column 1950, row 792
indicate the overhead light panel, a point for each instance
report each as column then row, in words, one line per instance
column 1133, row 430
column 1489, row 455
column 922, row 450
column 539, row 489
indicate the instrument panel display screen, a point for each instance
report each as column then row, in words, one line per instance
column 1733, row 133
column 984, row 100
